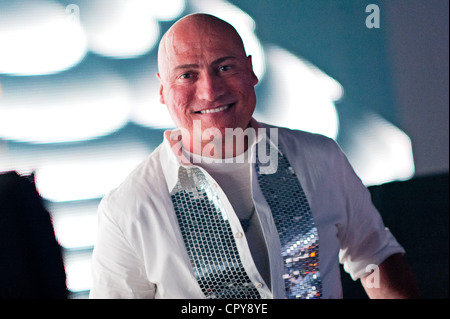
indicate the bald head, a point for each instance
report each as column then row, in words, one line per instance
column 190, row 32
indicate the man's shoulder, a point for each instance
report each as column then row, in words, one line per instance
column 146, row 178
column 305, row 140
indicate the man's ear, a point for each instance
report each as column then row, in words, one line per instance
column 161, row 95
column 250, row 67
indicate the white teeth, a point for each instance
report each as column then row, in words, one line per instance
column 219, row 109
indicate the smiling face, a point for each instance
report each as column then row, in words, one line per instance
column 205, row 75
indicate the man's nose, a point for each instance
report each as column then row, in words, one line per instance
column 210, row 87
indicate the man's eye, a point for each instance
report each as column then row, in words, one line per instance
column 225, row 68
column 185, row 76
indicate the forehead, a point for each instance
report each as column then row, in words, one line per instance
column 197, row 41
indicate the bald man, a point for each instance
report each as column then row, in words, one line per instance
column 227, row 207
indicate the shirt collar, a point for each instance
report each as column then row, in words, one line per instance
column 173, row 160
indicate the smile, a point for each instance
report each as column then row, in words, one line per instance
column 216, row 110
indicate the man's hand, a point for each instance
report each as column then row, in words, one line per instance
column 396, row 281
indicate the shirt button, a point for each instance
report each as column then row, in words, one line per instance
column 258, row 285
column 238, row 235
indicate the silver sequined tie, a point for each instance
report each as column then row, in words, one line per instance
column 298, row 234
column 209, row 239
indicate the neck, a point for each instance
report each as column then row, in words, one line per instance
column 231, row 144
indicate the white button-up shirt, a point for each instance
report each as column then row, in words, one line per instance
column 140, row 252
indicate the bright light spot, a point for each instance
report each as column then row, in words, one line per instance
column 301, row 96
column 119, row 29
column 85, row 178
column 149, row 112
column 75, row 225
column 147, row 108
column 71, row 109
column 244, row 25
column 37, row 37
column 330, row 87
column 161, row 10
column 382, row 153
column 78, row 272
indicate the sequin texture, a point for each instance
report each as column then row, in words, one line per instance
column 211, row 246
column 208, row 238
column 298, row 233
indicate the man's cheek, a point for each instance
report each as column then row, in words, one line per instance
column 180, row 98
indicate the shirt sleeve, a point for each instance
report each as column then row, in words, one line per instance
column 117, row 272
column 364, row 239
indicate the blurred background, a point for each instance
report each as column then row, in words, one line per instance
column 79, row 103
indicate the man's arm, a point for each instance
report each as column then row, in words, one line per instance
column 117, row 272
column 395, row 281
